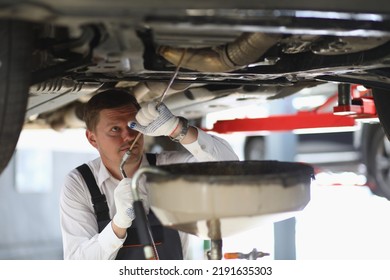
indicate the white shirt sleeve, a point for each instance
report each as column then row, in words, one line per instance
column 210, row 148
column 80, row 236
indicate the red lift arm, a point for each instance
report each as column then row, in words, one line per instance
column 342, row 116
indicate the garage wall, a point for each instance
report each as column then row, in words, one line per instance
column 29, row 218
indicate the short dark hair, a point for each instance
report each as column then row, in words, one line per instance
column 107, row 99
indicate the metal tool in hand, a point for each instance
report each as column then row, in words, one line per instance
column 128, row 152
column 172, row 79
column 127, row 155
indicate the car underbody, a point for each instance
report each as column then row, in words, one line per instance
column 230, row 53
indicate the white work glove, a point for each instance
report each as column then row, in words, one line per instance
column 123, row 198
column 154, row 121
column 124, row 204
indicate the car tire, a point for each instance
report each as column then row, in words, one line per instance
column 15, row 71
column 378, row 162
column 382, row 101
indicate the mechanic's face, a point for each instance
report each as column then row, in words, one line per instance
column 112, row 138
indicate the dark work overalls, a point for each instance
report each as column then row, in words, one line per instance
column 167, row 241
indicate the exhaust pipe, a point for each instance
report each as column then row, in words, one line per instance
column 245, row 50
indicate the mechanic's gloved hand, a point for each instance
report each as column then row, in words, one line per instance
column 154, row 121
column 124, row 204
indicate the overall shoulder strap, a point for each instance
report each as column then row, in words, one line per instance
column 152, row 158
column 98, row 199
